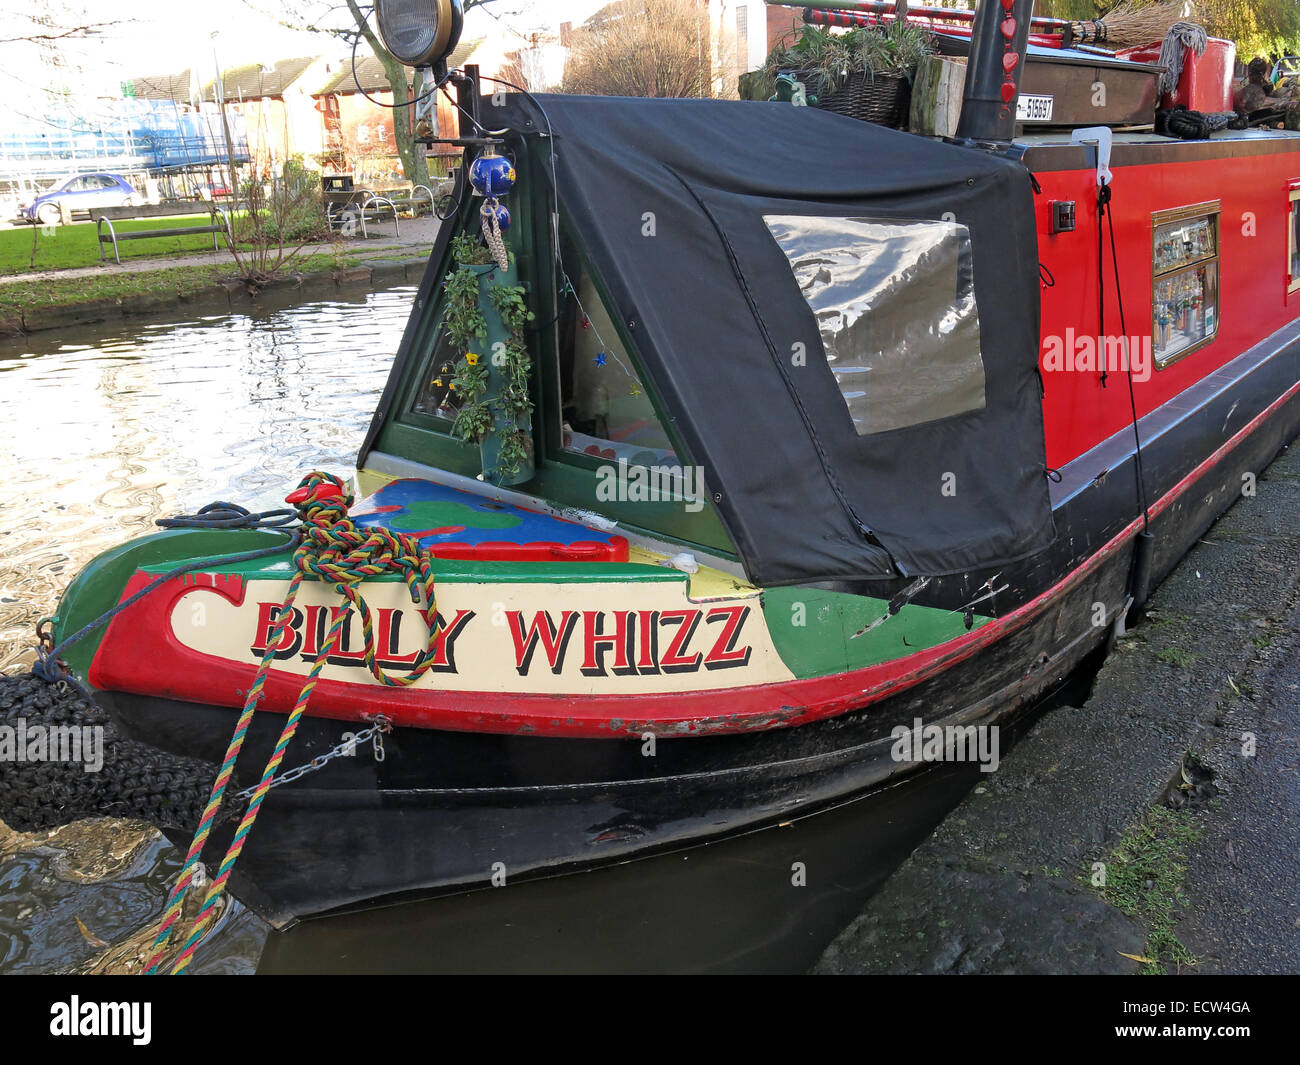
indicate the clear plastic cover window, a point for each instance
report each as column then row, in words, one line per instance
column 895, row 305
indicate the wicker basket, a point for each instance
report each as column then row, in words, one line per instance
column 880, row 98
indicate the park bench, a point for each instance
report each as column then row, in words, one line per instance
column 106, row 216
column 418, row 196
column 357, row 205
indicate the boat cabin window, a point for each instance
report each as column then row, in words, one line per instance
column 895, row 306
column 434, row 396
column 1293, row 240
column 606, row 412
column 1185, row 279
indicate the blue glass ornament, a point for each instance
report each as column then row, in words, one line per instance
column 492, row 175
column 502, row 214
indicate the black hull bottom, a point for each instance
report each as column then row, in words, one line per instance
column 768, row 901
column 444, row 812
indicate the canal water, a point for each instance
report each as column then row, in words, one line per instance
column 111, row 426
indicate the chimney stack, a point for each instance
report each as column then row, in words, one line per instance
column 997, row 57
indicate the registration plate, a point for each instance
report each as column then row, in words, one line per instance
column 1033, row 108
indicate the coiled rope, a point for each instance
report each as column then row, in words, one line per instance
column 490, row 222
column 63, row 783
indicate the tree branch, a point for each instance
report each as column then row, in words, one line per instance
column 90, row 29
column 372, row 38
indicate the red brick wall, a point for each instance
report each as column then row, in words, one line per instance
column 782, row 26
column 365, row 126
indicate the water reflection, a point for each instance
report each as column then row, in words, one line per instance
column 766, row 902
column 105, row 434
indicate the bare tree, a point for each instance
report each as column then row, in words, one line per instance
column 413, row 159
column 350, row 22
column 280, row 218
column 526, row 66
column 647, row 48
column 91, row 29
column 43, row 25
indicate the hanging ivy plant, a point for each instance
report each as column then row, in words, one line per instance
column 514, row 451
column 509, row 303
column 465, row 326
column 515, row 403
column 463, row 318
column 517, row 367
column 473, row 422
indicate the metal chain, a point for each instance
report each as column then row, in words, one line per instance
column 346, row 749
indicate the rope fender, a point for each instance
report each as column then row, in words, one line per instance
column 110, row 775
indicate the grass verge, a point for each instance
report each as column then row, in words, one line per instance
column 1144, row 880
column 181, row 281
column 62, row 247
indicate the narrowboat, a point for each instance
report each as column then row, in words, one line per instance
column 725, row 439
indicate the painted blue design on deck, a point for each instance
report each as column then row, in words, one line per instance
column 438, row 514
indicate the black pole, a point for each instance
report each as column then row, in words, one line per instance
column 468, row 95
column 988, row 109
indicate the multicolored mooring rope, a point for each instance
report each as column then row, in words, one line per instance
column 336, row 551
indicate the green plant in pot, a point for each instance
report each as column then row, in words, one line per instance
column 865, row 72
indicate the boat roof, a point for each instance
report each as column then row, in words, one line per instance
column 958, row 44
column 1086, row 57
column 1053, row 149
column 699, row 217
column 1062, row 137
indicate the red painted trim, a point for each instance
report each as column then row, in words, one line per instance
column 615, row 550
column 165, row 667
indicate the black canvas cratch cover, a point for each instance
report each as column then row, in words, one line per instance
column 840, row 319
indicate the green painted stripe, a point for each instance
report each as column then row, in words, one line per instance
column 813, row 630
column 458, row 571
column 98, row 587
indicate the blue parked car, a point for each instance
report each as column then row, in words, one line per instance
column 81, row 193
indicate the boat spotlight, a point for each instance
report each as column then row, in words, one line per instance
column 420, row 33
